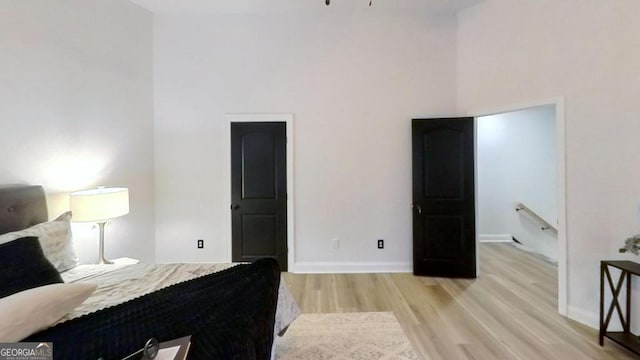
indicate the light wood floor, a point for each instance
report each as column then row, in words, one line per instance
column 509, row 312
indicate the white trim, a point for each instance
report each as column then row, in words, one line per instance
column 561, row 199
column 583, row 316
column 520, row 106
column 561, row 194
column 226, row 174
column 353, row 267
column 486, row 238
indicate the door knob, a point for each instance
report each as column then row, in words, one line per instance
column 416, row 206
column 235, row 206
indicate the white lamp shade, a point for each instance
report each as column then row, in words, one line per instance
column 99, row 204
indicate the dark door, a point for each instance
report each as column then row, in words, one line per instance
column 259, row 191
column 444, row 235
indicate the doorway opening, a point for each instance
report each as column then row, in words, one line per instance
column 520, row 182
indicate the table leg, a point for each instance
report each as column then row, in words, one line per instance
column 602, row 329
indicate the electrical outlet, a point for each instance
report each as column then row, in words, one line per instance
column 380, row 244
column 336, row 244
column 200, row 244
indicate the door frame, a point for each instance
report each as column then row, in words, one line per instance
column 226, row 175
column 561, row 184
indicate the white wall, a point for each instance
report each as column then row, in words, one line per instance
column 516, row 154
column 587, row 51
column 353, row 80
column 76, row 109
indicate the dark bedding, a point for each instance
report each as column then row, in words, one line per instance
column 229, row 315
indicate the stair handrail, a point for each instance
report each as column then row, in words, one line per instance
column 545, row 224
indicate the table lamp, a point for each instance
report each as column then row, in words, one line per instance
column 99, row 205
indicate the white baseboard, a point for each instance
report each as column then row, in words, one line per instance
column 352, row 267
column 495, row 238
column 583, row 316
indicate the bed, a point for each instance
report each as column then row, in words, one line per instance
column 231, row 311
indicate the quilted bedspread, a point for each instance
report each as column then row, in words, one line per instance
column 229, row 314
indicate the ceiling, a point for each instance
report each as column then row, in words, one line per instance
column 293, row 6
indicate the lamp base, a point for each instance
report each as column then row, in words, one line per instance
column 105, row 261
column 101, row 225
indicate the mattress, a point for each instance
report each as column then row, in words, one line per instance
column 120, row 283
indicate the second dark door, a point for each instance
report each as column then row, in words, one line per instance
column 259, row 191
column 444, row 235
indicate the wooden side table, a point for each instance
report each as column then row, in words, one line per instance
column 625, row 338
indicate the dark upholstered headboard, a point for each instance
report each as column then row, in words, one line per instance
column 21, row 206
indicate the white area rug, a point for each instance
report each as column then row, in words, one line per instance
column 348, row 336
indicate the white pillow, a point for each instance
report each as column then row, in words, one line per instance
column 30, row 311
column 55, row 238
